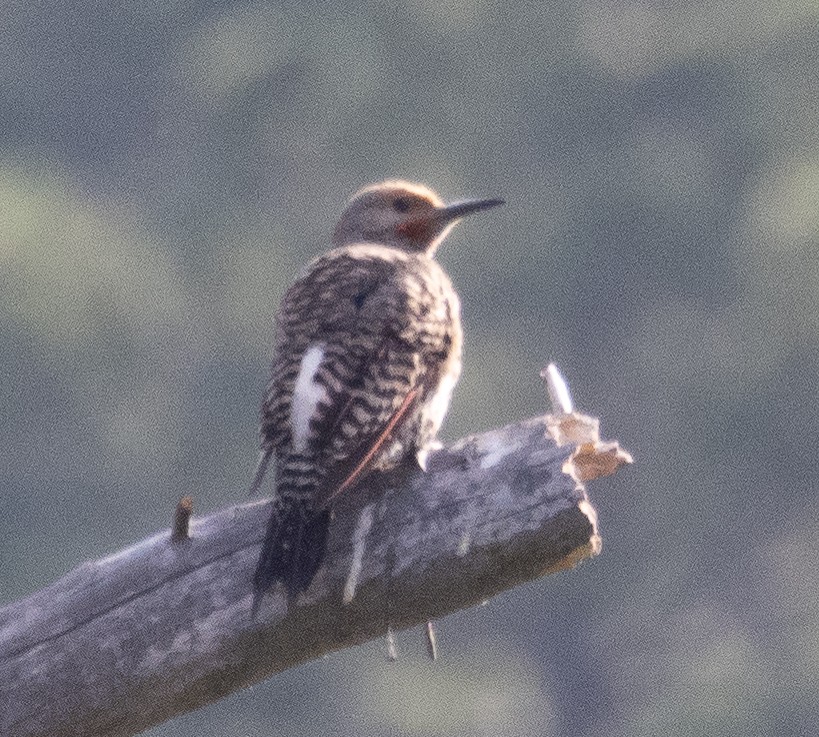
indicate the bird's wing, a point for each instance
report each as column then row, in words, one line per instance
column 345, row 376
column 363, row 465
column 365, row 415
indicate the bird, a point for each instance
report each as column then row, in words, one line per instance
column 367, row 353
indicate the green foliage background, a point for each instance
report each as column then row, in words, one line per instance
column 165, row 169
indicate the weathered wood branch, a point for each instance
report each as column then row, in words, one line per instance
column 163, row 627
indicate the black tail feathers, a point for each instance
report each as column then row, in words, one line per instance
column 293, row 549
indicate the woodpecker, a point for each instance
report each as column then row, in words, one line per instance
column 367, row 353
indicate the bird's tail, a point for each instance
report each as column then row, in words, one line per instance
column 293, row 548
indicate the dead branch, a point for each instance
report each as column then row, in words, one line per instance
column 164, row 627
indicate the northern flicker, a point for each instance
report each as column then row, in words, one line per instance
column 367, row 353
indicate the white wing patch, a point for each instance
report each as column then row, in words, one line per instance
column 306, row 396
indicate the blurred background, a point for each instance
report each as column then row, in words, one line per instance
column 167, row 168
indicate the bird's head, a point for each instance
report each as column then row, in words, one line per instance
column 406, row 216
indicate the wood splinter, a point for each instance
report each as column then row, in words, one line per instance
column 432, row 642
column 392, row 649
column 592, row 458
column 181, row 520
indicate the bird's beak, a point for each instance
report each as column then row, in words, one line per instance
column 456, row 210
column 431, row 228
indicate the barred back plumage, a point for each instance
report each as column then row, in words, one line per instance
column 367, row 352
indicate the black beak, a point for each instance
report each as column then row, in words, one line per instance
column 457, row 210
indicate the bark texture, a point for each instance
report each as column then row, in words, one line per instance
column 160, row 628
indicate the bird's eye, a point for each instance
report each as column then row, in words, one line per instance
column 401, row 204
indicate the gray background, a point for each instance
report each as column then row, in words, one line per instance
column 165, row 170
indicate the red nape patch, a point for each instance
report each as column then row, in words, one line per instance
column 416, row 229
